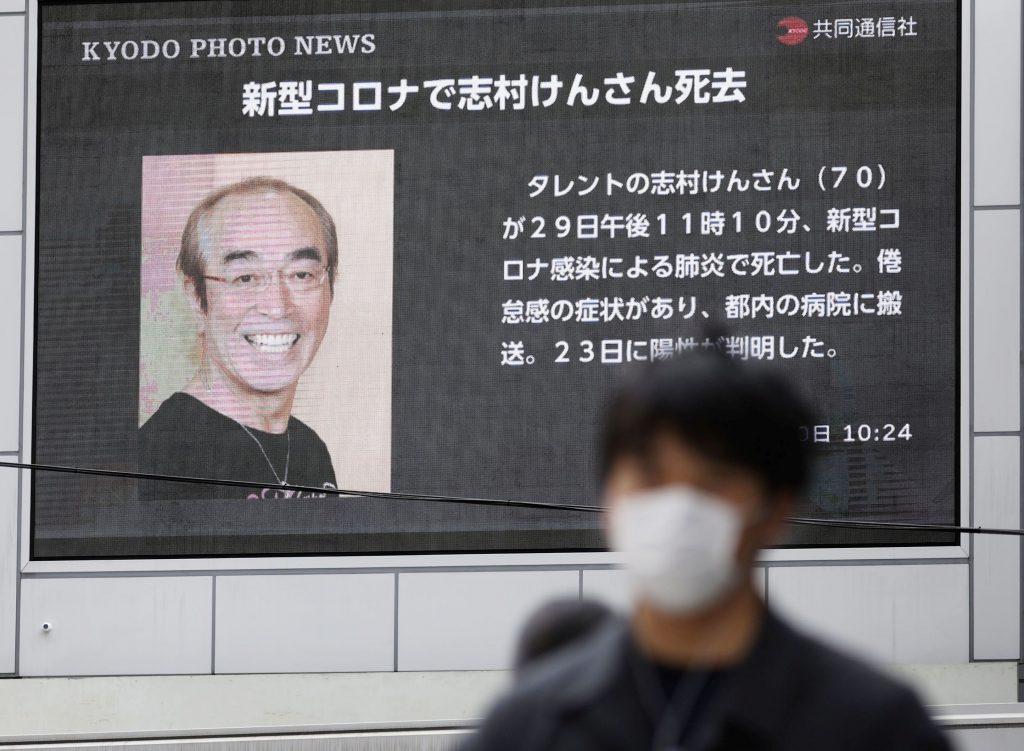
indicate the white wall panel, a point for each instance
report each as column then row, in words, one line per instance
column 470, row 620
column 996, row 558
column 997, row 82
column 986, row 739
column 12, row 6
column 607, row 585
column 116, row 626
column 913, row 614
column 8, row 568
column 12, row 119
column 996, row 320
column 305, row 623
column 10, row 366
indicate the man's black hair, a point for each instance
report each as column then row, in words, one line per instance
column 721, row 408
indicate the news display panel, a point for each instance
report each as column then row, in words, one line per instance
column 408, row 248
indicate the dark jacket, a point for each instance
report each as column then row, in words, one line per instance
column 791, row 692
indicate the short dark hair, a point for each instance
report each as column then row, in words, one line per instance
column 728, row 411
column 192, row 262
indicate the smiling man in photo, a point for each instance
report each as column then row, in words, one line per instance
column 258, row 260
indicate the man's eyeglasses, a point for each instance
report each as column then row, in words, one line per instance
column 299, row 280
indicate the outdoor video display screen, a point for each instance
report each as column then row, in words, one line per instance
column 409, row 246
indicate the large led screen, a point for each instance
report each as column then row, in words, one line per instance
column 407, row 247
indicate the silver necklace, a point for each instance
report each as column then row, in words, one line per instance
column 287, row 434
column 287, row 458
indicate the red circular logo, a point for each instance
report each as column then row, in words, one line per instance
column 792, row 30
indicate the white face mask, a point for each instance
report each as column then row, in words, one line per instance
column 678, row 546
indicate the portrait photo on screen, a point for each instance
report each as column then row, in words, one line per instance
column 265, row 321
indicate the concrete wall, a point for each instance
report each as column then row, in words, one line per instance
column 450, row 613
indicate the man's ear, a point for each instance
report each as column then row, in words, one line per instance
column 192, row 295
column 766, row 528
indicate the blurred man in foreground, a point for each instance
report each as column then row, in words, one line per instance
column 702, row 462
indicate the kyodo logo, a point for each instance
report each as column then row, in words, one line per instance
column 791, row 30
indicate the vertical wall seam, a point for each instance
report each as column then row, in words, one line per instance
column 213, row 626
column 394, row 618
column 1020, row 360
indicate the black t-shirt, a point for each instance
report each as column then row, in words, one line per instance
column 185, row 437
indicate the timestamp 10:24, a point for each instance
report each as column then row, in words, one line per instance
column 862, row 433
column 888, row 433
